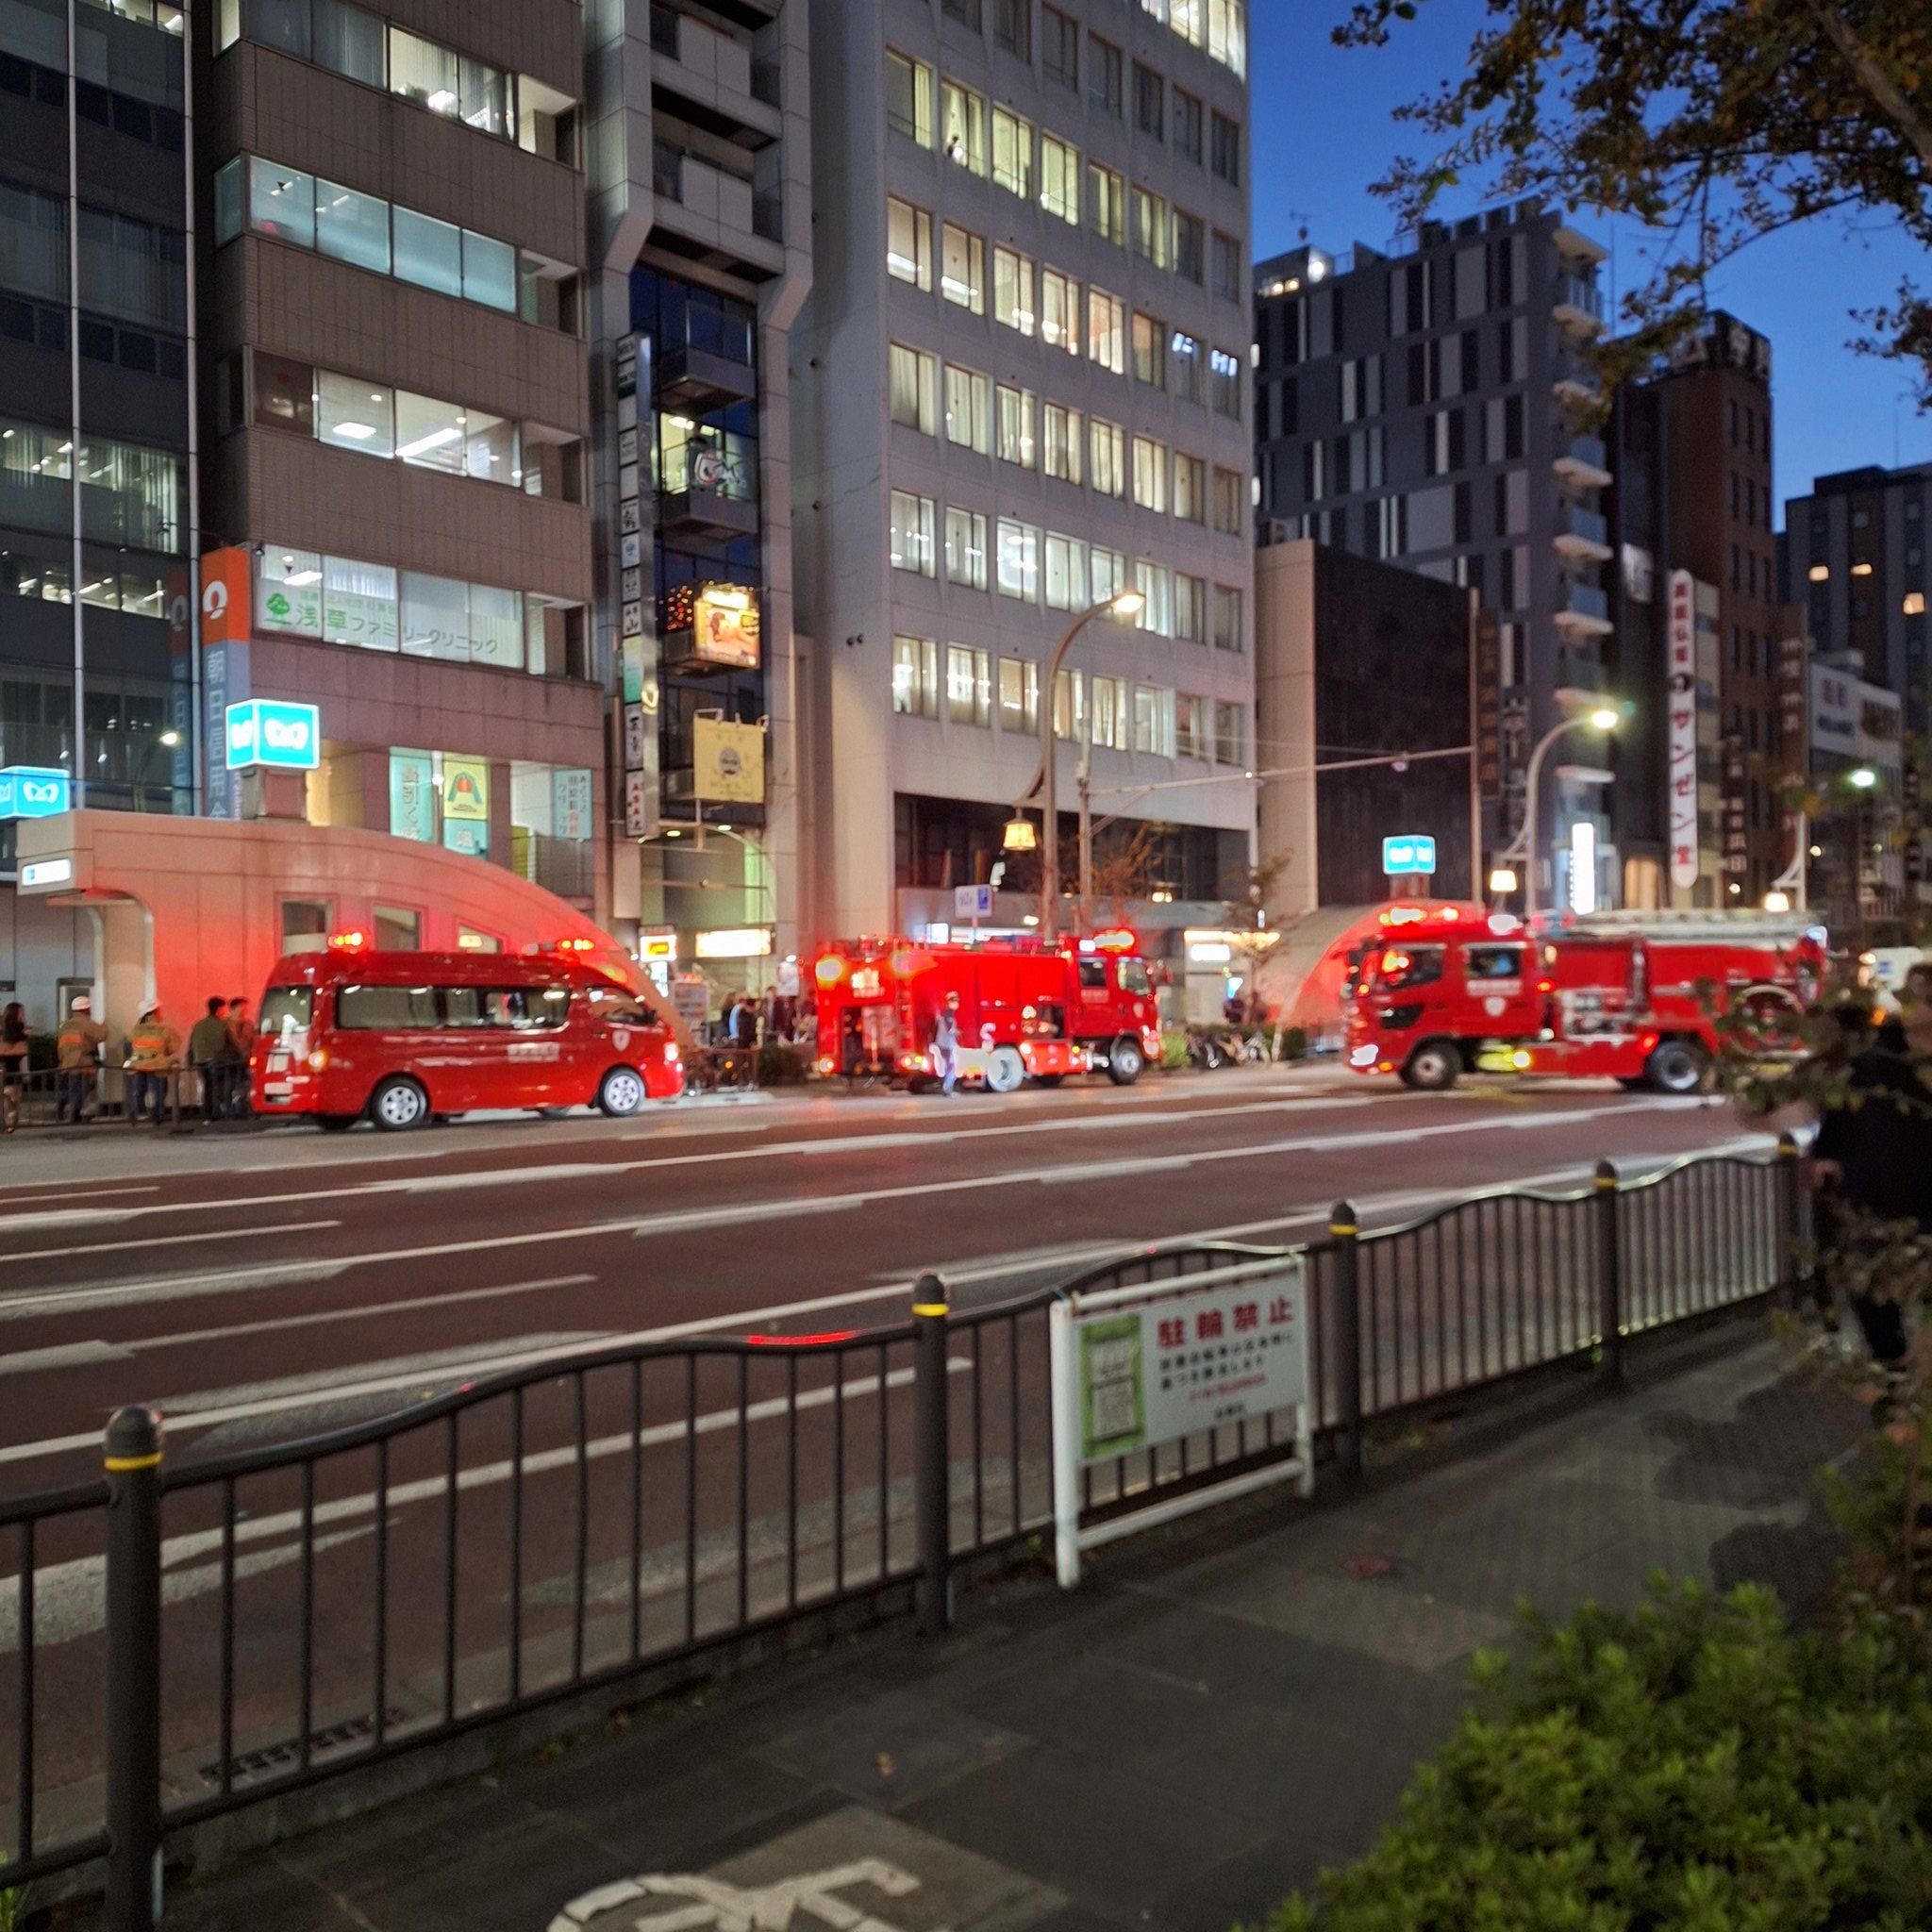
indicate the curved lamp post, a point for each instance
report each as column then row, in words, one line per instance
column 1126, row 604
column 1600, row 717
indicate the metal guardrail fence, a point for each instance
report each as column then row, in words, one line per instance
column 268, row 1619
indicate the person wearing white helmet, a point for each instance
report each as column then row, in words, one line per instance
column 78, row 1051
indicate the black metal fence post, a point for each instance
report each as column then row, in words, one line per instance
column 1790, row 1220
column 1346, row 1236
column 933, row 1478
column 1611, row 1294
column 132, row 1457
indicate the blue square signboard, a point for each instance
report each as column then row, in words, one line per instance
column 1410, row 852
column 267, row 731
column 34, row 791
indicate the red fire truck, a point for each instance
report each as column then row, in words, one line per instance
column 1026, row 1010
column 1630, row 996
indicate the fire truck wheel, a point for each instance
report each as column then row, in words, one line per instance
column 1124, row 1060
column 1004, row 1070
column 1677, row 1066
column 398, row 1105
column 1432, row 1067
column 621, row 1093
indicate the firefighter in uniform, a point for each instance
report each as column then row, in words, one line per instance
column 153, row 1050
column 78, row 1051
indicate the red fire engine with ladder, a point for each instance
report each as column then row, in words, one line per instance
column 1027, row 1011
column 1636, row 997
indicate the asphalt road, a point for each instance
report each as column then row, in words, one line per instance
column 273, row 1286
column 269, row 1286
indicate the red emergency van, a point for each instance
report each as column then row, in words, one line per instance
column 1630, row 996
column 1025, row 1009
column 405, row 1038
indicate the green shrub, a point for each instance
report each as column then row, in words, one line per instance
column 1173, row 1048
column 1692, row 1768
column 1295, row 1043
column 780, row 1064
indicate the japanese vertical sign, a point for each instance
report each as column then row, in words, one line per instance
column 1681, row 768
column 636, row 644
column 1193, row 1359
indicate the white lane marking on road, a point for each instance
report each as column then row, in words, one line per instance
column 599, row 1169
column 67, row 1596
column 70, row 1600
column 72, row 1355
column 754, row 1321
column 8, row 1200
column 169, row 1241
column 86, row 1300
column 245, row 1400
column 193, row 1337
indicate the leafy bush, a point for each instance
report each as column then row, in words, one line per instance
column 1295, row 1043
column 780, row 1064
column 1173, row 1048
column 1694, row 1768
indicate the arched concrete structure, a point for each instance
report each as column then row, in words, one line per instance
column 1302, row 976
column 185, row 908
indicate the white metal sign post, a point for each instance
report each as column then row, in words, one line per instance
column 1137, row 1368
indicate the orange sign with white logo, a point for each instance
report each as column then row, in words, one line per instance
column 226, row 614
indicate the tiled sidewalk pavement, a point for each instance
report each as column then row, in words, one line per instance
column 1218, row 1712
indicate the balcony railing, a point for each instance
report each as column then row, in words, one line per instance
column 1582, row 599
column 1573, row 519
column 1572, row 291
column 1586, row 450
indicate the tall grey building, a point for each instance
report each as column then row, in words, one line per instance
column 701, row 237
column 1431, row 406
column 1019, row 389
column 97, row 677
column 1856, row 559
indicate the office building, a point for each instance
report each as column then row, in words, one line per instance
column 1357, row 662
column 1020, row 390
column 701, row 239
column 1433, row 406
column 1698, row 643
column 96, row 487
column 1714, row 488
column 396, row 525
column 1856, row 560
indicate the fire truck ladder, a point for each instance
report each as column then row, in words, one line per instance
column 1746, row 926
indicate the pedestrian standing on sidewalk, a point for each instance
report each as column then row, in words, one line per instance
column 208, row 1054
column 1872, row 1164
column 154, row 1056
column 240, row 1044
column 13, row 1052
column 945, row 1045
column 77, row 1062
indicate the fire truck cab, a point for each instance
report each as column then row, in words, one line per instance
column 1631, row 996
column 1026, row 1011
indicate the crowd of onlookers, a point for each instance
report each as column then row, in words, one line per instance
column 152, row 1058
column 778, row 1018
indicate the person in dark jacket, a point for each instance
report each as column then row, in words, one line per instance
column 208, row 1054
column 1872, row 1164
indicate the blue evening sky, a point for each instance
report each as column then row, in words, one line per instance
column 1323, row 132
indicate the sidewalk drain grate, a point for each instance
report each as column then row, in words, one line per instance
column 286, row 1755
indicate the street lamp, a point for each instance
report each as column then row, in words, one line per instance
column 1127, row 604
column 1599, row 717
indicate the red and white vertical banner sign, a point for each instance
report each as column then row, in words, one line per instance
column 1681, row 698
column 1138, row 1370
